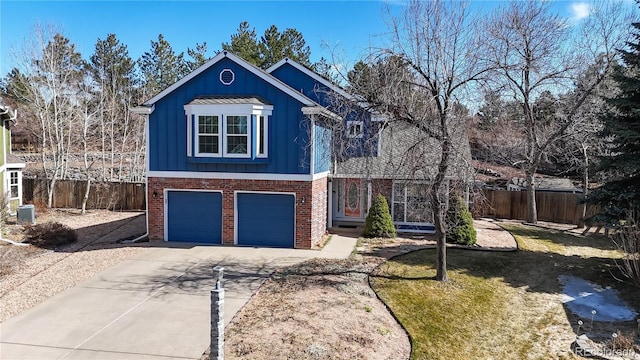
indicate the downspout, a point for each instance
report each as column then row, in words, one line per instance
column 145, row 111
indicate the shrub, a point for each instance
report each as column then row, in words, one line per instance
column 49, row 234
column 460, row 222
column 621, row 342
column 379, row 222
column 4, row 211
column 627, row 240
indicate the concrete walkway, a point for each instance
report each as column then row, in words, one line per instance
column 155, row 306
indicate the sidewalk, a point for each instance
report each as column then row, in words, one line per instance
column 155, row 306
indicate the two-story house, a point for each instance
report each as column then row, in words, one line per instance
column 242, row 156
column 232, row 159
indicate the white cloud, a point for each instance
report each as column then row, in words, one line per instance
column 580, row 10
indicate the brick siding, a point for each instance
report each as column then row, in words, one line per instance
column 310, row 212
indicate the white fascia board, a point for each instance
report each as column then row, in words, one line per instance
column 234, row 176
column 229, row 109
column 379, row 117
column 143, row 110
column 315, row 76
column 15, row 165
column 259, row 73
column 319, row 110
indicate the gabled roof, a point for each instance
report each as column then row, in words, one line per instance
column 375, row 116
column 249, row 67
column 312, row 74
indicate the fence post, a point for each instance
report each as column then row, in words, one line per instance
column 217, row 316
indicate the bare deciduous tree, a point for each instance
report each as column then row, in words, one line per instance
column 418, row 82
column 52, row 70
column 533, row 50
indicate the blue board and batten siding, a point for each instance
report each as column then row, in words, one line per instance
column 367, row 145
column 287, row 137
column 321, row 150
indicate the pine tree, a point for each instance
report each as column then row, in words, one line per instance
column 379, row 222
column 276, row 45
column 460, row 222
column 272, row 47
column 244, row 43
column 619, row 197
column 198, row 56
column 161, row 67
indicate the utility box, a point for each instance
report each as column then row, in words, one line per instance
column 26, row 214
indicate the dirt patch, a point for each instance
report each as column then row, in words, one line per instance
column 319, row 309
column 30, row 275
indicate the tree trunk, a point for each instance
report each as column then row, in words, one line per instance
column 585, row 185
column 86, row 196
column 532, row 212
column 441, row 239
column 52, row 184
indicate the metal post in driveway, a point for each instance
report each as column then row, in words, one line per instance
column 217, row 316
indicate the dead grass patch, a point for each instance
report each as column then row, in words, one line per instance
column 319, row 309
column 497, row 305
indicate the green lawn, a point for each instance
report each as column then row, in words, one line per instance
column 498, row 305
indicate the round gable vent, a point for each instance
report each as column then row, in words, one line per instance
column 227, row 76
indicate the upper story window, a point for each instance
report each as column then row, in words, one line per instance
column 231, row 127
column 208, row 135
column 354, row 129
column 237, row 136
column 262, row 140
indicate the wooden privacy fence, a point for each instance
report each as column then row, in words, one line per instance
column 563, row 208
column 102, row 195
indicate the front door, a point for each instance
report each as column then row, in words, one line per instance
column 352, row 198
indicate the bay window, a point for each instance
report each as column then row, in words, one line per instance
column 224, row 127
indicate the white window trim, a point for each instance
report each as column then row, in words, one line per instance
column 196, row 137
column 226, row 136
column 265, row 154
column 233, row 76
column 222, row 111
column 353, row 123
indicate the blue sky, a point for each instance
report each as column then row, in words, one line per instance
column 348, row 26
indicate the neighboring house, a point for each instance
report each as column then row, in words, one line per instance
column 235, row 158
column 10, row 165
column 392, row 159
column 545, row 184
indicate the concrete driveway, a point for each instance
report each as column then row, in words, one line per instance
column 155, row 306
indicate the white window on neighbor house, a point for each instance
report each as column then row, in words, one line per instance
column 208, row 135
column 236, row 136
column 354, row 129
column 411, row 203
column 14, row 184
